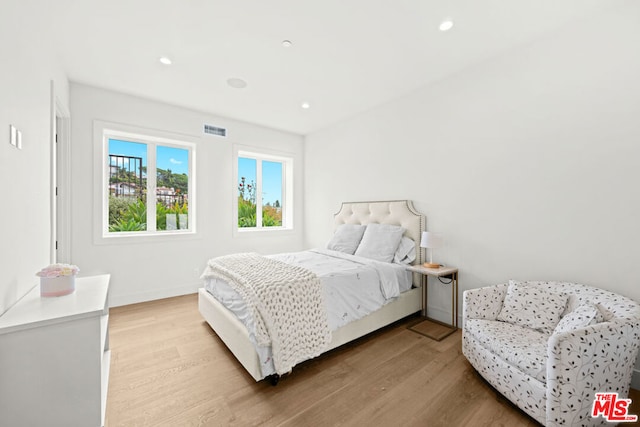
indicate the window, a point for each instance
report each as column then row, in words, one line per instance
column 149, row 184
column 264, row 198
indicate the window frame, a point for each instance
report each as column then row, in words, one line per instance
column 152, row 139
column 260, row 155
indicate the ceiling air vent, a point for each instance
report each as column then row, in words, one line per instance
column 214, row 130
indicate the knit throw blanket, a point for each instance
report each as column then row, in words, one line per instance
column 286, row 302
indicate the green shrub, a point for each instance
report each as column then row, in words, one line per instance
column 131, row 214
column 128, row 225
column 246, row 213
column 271, row 217
column 127, row 214
column 117, row 207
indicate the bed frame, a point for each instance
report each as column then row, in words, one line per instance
column 398, row 212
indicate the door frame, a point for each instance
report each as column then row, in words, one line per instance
column 60, row 243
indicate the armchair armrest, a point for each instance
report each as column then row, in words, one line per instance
column 483, row 303
column 596, row 358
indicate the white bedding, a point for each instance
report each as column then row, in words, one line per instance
column 352, row 288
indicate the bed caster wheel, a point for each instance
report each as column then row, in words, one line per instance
column 274, row 379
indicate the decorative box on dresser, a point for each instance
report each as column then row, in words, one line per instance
column 54, row 357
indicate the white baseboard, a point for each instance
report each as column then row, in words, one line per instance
column 116, row 301
column 441, row 315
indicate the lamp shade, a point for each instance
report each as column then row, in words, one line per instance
column 431, row 240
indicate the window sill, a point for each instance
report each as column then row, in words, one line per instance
column 142, row 237
column 265, row 231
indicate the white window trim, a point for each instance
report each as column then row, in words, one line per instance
column 102, row 131
column 287, row 160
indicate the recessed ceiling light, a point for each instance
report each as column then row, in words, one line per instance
column 236, row 83
column 165, row 60
column 305, row 105
column 446, row 25
column 287, row 43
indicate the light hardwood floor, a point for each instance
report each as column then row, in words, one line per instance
column 168, row 368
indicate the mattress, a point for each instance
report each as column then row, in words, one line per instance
column 353, row 287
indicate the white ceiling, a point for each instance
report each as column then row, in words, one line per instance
column 347, row 55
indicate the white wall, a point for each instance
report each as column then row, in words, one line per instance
column 26, row 71
column 167, row 267
column 528, row 163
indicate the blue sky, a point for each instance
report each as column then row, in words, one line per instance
column 271, row 177
column 176, row 159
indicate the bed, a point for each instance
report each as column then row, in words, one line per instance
column 236, row 336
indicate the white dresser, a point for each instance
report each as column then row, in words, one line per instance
column 54, row 358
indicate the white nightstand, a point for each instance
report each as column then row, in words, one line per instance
column 430, row 327
column 55, row 357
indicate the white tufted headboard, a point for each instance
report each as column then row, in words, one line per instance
column 394, row 212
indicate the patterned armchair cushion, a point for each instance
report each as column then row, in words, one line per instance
column 523, row 348
column 484, row 303
column 618, row 305
column 532, row 307
column 585, row 315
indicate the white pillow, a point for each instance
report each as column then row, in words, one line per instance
column 406, row 252
column 586, row 314
column 346, row 238
column 380, row 242
column 532, row 307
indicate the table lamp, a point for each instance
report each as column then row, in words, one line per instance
column 431, row 241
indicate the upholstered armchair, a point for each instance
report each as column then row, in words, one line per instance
column 550, row 346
